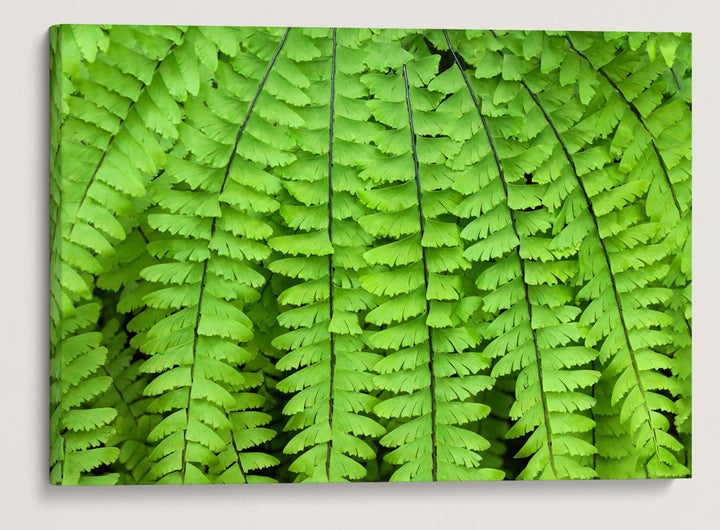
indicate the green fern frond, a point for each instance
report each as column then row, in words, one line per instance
column 534, row 329
column 600, row 223
column 79, row 431
column 264, row 314
column 125, row 394
column 212, row 240
column 429, row 367
column 652, row 139
column 322, row 255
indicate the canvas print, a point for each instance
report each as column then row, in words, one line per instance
column 347, row 254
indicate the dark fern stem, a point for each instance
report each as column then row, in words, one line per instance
column 431, row 367
column 637, row 114
column 112, row 138
column 608, row 263
column 498, row 164
column 212, row 231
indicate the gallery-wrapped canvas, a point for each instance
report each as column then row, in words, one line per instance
column 324, row 255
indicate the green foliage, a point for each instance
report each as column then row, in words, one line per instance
column 534, row 326
column 431, row 368
column 313, row 254
column 321, row 254
column 79, row 430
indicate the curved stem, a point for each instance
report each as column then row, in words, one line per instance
column 212, row 232
column 608, row 263
column 498, row 164
column 431, row 367
column 122, row 397
column 637, row 114
column 677, row 81
column 119, row 128
column 237, row 455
